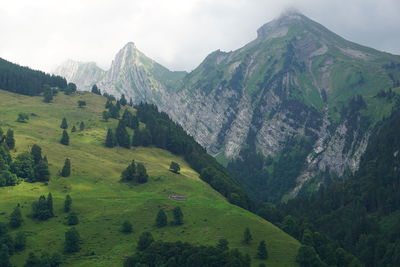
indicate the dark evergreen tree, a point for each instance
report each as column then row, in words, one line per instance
column 126, row 227
column 178, row 216
column 108, row 104
column 81, row 103
column 96, row 90
column 70, row 89
column 50, row 204
column 32, row 260
column 127, row 118
column 141, row 176
column 16, row 218
column 41, row 171
column 123, row 100
column 64, row 124
column 47, row 94
column 114, row 111
column 66, row 170
column 72, row 239
column 73, row 129
column 130, row 102
column 145, row 240
column 161, row 219
column 20, row 241
column 262, row 252
column 23, row 117
column 134, row 123
column 67, row 203
column 174, row 167
column 223, row 244
column 247, row 236
column 122, row 136
column 72, row 219
column 81, row 126
column 36, row 152
column 40, row 209
column 64, row 138
column 118, row 105
column 23, row 166
column 110, row 139
column 129, row 174
column 5, row 256
column 106, row 115
column 10, row 141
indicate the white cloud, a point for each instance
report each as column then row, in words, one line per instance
column 176, row 33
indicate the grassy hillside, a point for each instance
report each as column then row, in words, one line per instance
column 103, row 203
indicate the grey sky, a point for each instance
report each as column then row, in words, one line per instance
column 176, row 33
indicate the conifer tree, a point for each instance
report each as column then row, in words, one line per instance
column 5, row 256
column 10, row 141
column 123, row 100
column 130, row 102
column 66, row 170
column 126, row 227
column 161, row 219
column 32, row 260
column 129, row 174
column 50, row 204
column 141, row 176
column 64, row 124
column 71, row 243
column 145, row 240
column 122, row 136
column 96, row 90
column 40, row 209
column 174, row 167
column 262, row 252
column 41, row 170
column 64, row 138
column 223, row 244
column 72, row 219
column 106, row 115
column 20, row 241
column 247, row 236
column 36, row 152
column 110, row 139
column 108, row 104
column 47, row 94
column 16, row 218
column 82, row 126
column 127, row 118
column 178, row 216
column 73, row 129
column 67, row 203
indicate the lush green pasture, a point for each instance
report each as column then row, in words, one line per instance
column 103, row 203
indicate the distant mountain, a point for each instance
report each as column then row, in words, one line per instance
column 286, row 111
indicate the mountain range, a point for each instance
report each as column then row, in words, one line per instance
column 287, row 112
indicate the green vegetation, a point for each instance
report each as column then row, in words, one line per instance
column 102, row 202
column 174, row 167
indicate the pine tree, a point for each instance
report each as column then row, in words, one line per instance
column 64, row 124
column 50, row 204
column 130, row 102
column 32, row 260
column 10, row 141
column 96, row 90
column 20, row 241
column 141, row 176
column 178, row 216
column 161, row 219
column 174, row 167
column 40, row 209
column 129, row 174
column 67, row 203
column 72, row 219
column 108, row 104
column 82, row 126
column 36, row 152
column 262, row 252
column 127, row 118
column 123, row 100
column 247, row 236
column 16, row 218
column 41, row 170
column 73, row 129
column 145, row 240
column 65, row 138
column 72, row 239
column 223, row 244
column 122, row 136
column 110, row 139
column 106, row 115
column 47, row 94
column 4, row 256
column 66, row 170
column 126, row 227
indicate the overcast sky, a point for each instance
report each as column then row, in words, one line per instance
column 177, row 33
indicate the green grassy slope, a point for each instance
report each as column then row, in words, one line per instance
column 103, row 203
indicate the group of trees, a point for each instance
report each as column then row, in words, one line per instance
column 64, row 125
column 159, row 253
column 262, row 252
column 136, row 173
column 162, row 219
column 23, row 80
column 121, row 136
column 9, row 245
column 43, row 208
